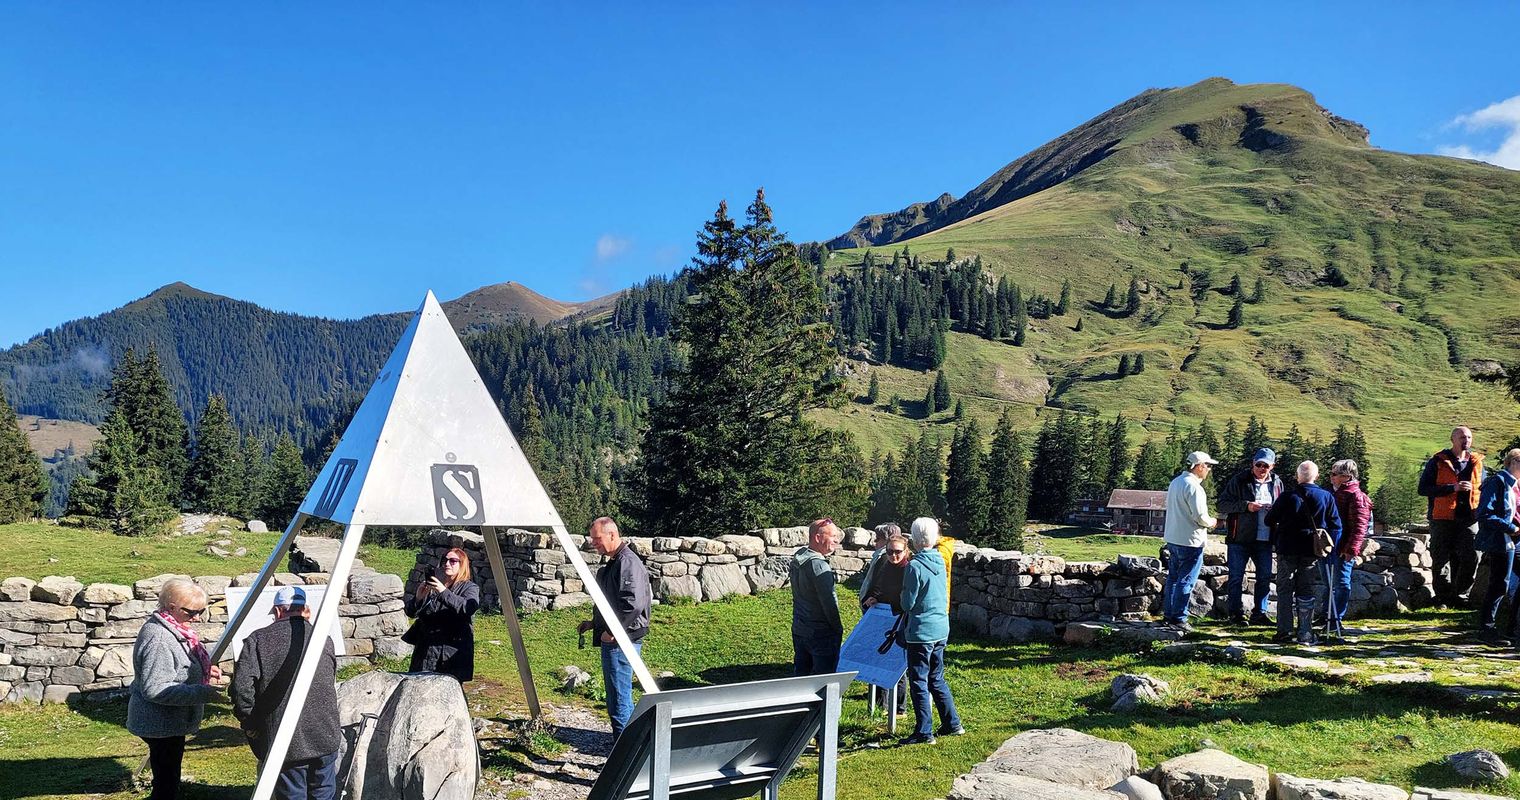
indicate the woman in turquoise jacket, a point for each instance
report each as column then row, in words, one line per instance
column 926, row 629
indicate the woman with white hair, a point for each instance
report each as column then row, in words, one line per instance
column 926, row 629
column 174, row 679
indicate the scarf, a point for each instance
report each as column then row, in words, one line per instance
column 192, row 642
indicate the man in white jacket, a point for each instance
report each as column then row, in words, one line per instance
column 1187, row 531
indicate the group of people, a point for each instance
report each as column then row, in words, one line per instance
column 1303, row 532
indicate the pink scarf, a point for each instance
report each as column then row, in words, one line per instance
column 192, row 642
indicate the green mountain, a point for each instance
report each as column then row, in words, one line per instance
column 1388, row 279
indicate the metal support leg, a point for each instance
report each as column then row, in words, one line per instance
column 325, row 621
column 828, row 748
column 871, row 689
column 509, row 611
column 892, row 710
column 659, row 754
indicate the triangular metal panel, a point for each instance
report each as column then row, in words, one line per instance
column 428, row 446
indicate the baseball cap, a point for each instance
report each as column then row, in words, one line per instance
column 290, row 596
column 1264, row 454
column 1199, row 457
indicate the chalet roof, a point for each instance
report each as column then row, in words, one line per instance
column 1138, row 500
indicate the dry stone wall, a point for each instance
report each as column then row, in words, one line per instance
column 60, row 638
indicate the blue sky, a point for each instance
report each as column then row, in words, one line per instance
column 338, row 159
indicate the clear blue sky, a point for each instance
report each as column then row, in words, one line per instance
column 338, row 159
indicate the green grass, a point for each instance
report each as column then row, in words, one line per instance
column 36, row 550
column 1085, row 544
column 1298, row 724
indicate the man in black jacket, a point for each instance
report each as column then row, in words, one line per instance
column 624, row 581
column 261, row 686
column 1245, row 499
column 1294, row 520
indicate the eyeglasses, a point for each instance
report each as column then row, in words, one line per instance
column 1262, row 465
column 895, row 551
column 192, row 613
column 452, row 561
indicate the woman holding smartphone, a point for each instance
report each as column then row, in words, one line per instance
column 443, row 635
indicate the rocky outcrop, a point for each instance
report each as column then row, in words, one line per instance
column 1007, row 786
column 1292, row 787
column 1063, row 756
column 1211, row 775
column 407, row 737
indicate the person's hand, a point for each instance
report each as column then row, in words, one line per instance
column 436, row 585
column 1464, row 486
column 870, row 601
column 1253, row 507
column 216, row 672
column 607, row 637
column 585, row 625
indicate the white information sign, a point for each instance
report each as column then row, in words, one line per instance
column 259, row 616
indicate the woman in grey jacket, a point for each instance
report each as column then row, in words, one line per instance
column 174, row 680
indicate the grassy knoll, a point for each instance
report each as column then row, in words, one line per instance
column 1293, row 723
column 1086, row 544
column 35, row 550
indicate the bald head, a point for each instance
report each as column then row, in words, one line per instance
column 1461, row 439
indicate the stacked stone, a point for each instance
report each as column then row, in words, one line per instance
column 685, row 567
column 1007, row 594
column 60, row 638
column 1394, row 576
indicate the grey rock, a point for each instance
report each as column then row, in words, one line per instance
column 1474, row 765
column 374, row 588
column 573, row 678
column 1005, row 786
column 1137, row 788
column 421, row 746
column 380, row 626
column 1292, row 787
column 132, row 609
column 743, row 546
column 55, row 589
column 58, row 693
column 71, row 676
column 106, row 594
column 721, row 580
column 213, row 550
column 1020, row 629
column 769, row 573
column 215, row 586
column 1064, row 756
column 392, row 647
column 40, row 656
column 257, row 526
column 1211, row 775
column 16, row 589
column 671, row 588
column 1426, row 793
column 25, row 692
column 33, row 611
column 148, row 588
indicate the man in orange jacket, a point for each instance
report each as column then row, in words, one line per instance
column 1451, row 479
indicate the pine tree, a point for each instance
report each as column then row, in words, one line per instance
column 1124, row 365
column 285, row 483
column 1078, row 326
column 23, row 481
column 1152, row 468
column 1237, row 314
column 255, row 477
column 1259, row 293
column 966, row 498
column 1118, row 455
column 1397, row 501
column 1007, row 488
column 125, row 490
column 941, row 392
column 960, row 409
column 1065, row 302
column 873, row 391
column 140, row 391
column 937, row 349
column 1292, row 451
column 929, row 409
column 728, row 447
column 216, row 478
column 1254, row 438
column 1235, row 289
column 1132, row 297
column 1054, row 468
column 931, row 471
column 1112, row 298
column 1139, row 364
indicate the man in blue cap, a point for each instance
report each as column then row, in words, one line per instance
column 1245, row 499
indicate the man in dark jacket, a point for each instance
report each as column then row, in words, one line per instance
column 1452, row 479
column 1246, row 498
column 1294, row 518
column 816, row 628
column 624, row 581
column 261, row 686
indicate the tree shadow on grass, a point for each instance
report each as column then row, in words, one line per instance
column 29, row 777
column 743, row 673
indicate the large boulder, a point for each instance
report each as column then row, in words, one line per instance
column 420, row 745
column 1130, row 691
column 1137, row 788
column 1211, row 775
column 55, row 589
column 1064, row 756
column 721, row 580
column 769, row 573
column 1483, row 766
column 1426, row 793
column 1007, row 786
column 1292, row 787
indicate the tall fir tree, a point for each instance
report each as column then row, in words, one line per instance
column 124, row 489
column 1139, row 364
column 1064, row 304
column 966, row 497
column 873, row 390
column 285, row 483
column 23, row 481
column 1112, row 298
column 141, row 392
column 1235, row 290
column 1007, row 488
column 1118, row 456
column 255, row 477
column 216, row 479
column 1259, row 293
column 1124, row 365
column 1237, row 313
column 1152, row 468
column 728, row 448
column 1132, row 297
column 1054, row 468
column 941, row 392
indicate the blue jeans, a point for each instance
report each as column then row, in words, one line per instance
column 1339, row 572
column 815, row 654
column 926, row 680
column 315, row 779
column 1182, row 566
column 617, row 676
column 1501, row 563
column 1240, row 555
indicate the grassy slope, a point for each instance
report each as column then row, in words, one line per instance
column 1312, row 355
column 1292, row 723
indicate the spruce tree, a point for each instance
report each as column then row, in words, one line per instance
column 1132, row 297
column 1152, row 468
column 1259, row 293
column 1124, row 364
column 1007, row 488
column 1139, row 364
column 1053, row 470
column 23, row 481
column 285, row 483
column 873, row 391
column 728, row 447
column 1064, row 303
column 140, row 391
column 1118, row 456
column 125, row 491
column 1077, row 327
column 216, row 479
column 929, row 409
column 941, row 392
column 1112, row 298
column 931, row 471
column 966, row 498
column 1237, row 314
column 255, row 477
column 1235, row 289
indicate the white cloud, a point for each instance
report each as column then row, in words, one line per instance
column 609, row 246
column 1503, row 115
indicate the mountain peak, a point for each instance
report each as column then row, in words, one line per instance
column 502, row 302
column 177, row 289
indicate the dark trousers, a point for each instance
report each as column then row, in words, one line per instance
column 926, row 681
column 1295, row 590
column 1256, row 554
column 1453, row 559
column 815, row 654
column 165, row 756
column 1501, row 564
column 314, row 779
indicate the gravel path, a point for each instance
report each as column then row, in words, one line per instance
column 566, row 774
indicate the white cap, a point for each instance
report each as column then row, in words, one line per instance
column 1199, row 457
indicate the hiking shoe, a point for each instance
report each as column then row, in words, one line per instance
column 1494, row 637
column 1180, row 625
column 1238, row 621
column 1308, row 638
column 1259, row 618
column 917, row 738
column 1282, row 637
column 958, row 730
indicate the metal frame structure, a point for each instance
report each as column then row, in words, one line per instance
column 427, row 447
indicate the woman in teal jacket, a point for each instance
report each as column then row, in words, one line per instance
column 926, row 629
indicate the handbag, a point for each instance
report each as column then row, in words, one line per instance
column 1323, row 544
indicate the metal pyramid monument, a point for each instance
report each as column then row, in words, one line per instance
column 428, row 445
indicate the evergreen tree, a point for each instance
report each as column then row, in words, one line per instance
column 1053, row 469
column 1237, row 314
column 255, row 477
column 215, row 482
column 941, row 392
column 1112, row 298
column 1397, row 501
column 143, row 396
column 728, row 447
column 1118, row 456
column 1124, row 365
column 23, row 481
column 285, row 483
column 931, row 472
column 873, row 391
column 1007, row 488
column 960, row 409
column 1292, row 451
column 966, row 497
column 937, row 348
column 1094, row 462
column 929, row 409
column 1132, row 297
column 1065, row 302
column 125, row 490
column 1255, row 438
column 1235, row 289
column 1259, row 293
column 1153, row 470
column 1077, row 327
column 1139, row 364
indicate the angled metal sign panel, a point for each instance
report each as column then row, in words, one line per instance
column 428, row 446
